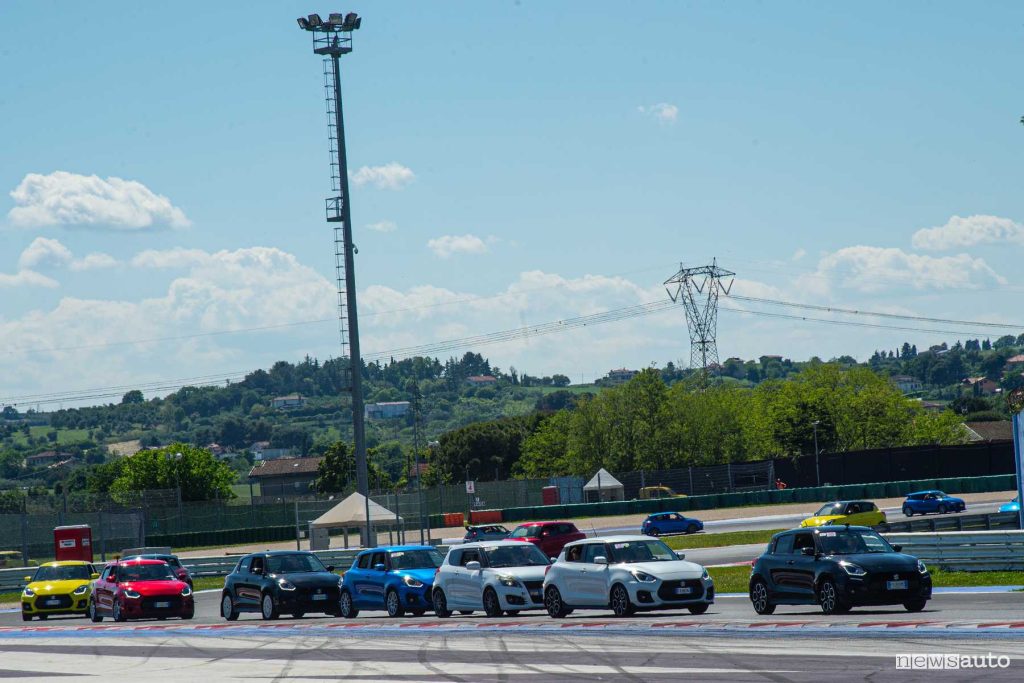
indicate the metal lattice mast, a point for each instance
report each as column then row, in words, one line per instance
column 332, row 39
column 698, row 289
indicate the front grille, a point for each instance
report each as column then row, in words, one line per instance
column 305, row 595
column 667, row 590
column 876, row 582
column 47, row 602
column 172, row 602
column 536, row 590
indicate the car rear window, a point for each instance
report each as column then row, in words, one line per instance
column 524, row 532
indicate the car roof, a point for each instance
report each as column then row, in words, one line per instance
column 819, row 529
column 915, row 493
column 66, row 563
column 398, row 548
column 851, row 500
column 152, row 556
column 274, row 553
column 613, row 539
column 141, row 560
column 493, row 544
column 544, row 523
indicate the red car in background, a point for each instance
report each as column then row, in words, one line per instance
column 550, row 537
column 140, row 589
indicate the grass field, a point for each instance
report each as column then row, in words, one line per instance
column 719, row 540
column 64, row 436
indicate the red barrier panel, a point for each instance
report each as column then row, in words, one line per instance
column 485, row 516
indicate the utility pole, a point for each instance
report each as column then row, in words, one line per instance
column 424, row 518
column 331, row 39
column 697, row 289
column 817, row 467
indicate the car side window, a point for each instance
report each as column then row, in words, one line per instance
column 784, row 545
column 363, row 562
column 105, row 574
column 379, row 558
column 469, row 556
column 257, row 565
column 243, row 565
column 593, row 550
column 801, row 541
column 870, row 507
column 574, row 553
column 454, row 557
column 852, row 509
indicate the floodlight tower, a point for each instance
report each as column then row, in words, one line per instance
column 698, row 289
column 332, row 39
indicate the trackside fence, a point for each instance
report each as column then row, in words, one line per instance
column 970, row 551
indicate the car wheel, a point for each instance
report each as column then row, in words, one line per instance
column 189, row 615
column 698, row 609
column 394, row 604
column 227, row 608
column 465, row 612
column 759, row 598
column 348, row 609
column 267, row 608
column 828, row 598
column 620, row 601
column 492, row 606
column 27, row 617
column 907, row 512
column 441, row 604
column 655, row 531
column 118, row 615
column 553, row 603
column 298, row 615
column 915, row 605
column 943, row 509
column 691, row 528
column 94, row 613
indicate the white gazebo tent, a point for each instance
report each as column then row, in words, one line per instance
column 351, row 514
column 603, row 487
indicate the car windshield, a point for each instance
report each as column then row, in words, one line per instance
column 415, row 559
column 940, row 494
column 68, row 573
column 641, row 551
column 143, row 572
column 524, row 532
column 519, row 555
column 830, row 509
column 852, row 542
column 296, row 563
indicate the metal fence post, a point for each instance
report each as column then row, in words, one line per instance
column 691, row 480
column 103, row 538
column 24, row 539
column 298, row 544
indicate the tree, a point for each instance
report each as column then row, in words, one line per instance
column 559, row 380
column 337, row 469
column 195, row 470
column 133, row 397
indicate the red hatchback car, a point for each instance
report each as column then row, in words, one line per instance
column 140, row 589
column 550, row 537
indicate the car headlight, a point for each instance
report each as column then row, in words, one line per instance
column 412, row 582
column 28, row 592
column 644, row 577
column 186, row 591
column 852, row 569
column 705, row 575
column 82, row 590
column 285, row 585
column 508, row 580
column 921, row 567
column 132, row 594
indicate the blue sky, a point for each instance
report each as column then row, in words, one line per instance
column 556, row 159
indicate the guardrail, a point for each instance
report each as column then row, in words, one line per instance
column 965, row 550
column 985, row 522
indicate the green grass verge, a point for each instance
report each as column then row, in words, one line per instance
column 735, row 579
column 719, row 540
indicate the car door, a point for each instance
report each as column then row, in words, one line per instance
column 250, row 583
column 239, row 581
column 102, row 592
column 803, row 566
column 593, row 583
column 571, row 575
column 470, row 581
column 778, row 567
column 355, row 578
column 930, row 503
column 677, row 522
column 373, row 583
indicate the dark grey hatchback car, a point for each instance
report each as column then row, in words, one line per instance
column 837, row 568
column 272, row 583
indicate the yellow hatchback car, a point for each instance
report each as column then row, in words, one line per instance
column 58, row 588
column 853, row 512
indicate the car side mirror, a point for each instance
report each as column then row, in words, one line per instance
column 379, row 567
column 600, row 559
column 257, row 570
column 95, row 576
column 681, row 555
column 807, row 551
column 473, row 566
column 898, row 548
column 330, row 567
column 553, row 559
column 28, row 579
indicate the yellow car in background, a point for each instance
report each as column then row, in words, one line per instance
column 853, row 512
column 58, row 588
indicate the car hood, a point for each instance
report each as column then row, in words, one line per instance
column 148, row 588
column 534, row 573
column 425, row 575
column 880, row 562
column 821, row 520
column 57, row 587
column 309, row 579
column 669, row 571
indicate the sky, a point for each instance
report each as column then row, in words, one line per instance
column 163, row 171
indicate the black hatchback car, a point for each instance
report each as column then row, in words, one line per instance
column 837, row 567
column 272, row 583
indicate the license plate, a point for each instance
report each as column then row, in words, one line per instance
column 896, row 585
column 684, row 590
column 321, row 596
column 535, row 595
column 52, row 603
column 161, row 604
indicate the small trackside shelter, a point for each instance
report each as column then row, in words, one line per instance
column 351, row 514
column 603, row 487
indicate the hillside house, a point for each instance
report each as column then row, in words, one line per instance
column 616, row 377
column 386, row 410
column 261, row 450
column 285, row 476
column 289, row 402
column 980, row 386
column 482, row 381
column 907, row 384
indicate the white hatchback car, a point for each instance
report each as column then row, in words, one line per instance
column 495, row 576
column 626, row 574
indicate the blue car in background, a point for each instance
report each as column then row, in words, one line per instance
column 397, row 579
column 923, row 502
column 661, row 523
column 1012, row 506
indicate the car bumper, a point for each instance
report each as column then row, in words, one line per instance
column 671, row 594
column 301, row 601
column 152, row 607
column 417, row 598
column 69, row 604
column 872, row 589
column 521, row 597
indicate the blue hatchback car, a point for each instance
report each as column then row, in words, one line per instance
column 661, row 523
column 923, row 502
column 1012, row 506
column 398, row 579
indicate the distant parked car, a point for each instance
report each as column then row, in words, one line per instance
column 860, row 512
column 485, row 532
column 654, row 492
column 550, row 537
column 282, row 581
column 923, row 502
column 396, row 579
column 662, row 523
column 1012, row 506
column 496, row 577
column 172, row 561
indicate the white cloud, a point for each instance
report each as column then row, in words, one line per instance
column 393, row 176
column 382, row 226
column 798, row 254
column 965, row 232
column 447, row 245
column 178, row 257
column 74, row 200
column 44, row 251
column 876, row 269
column 27, row 278
column 663, row 112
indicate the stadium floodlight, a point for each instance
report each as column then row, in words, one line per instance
column 303, row 23
column 352, row 21
column 314, row 20
column 336, row 19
